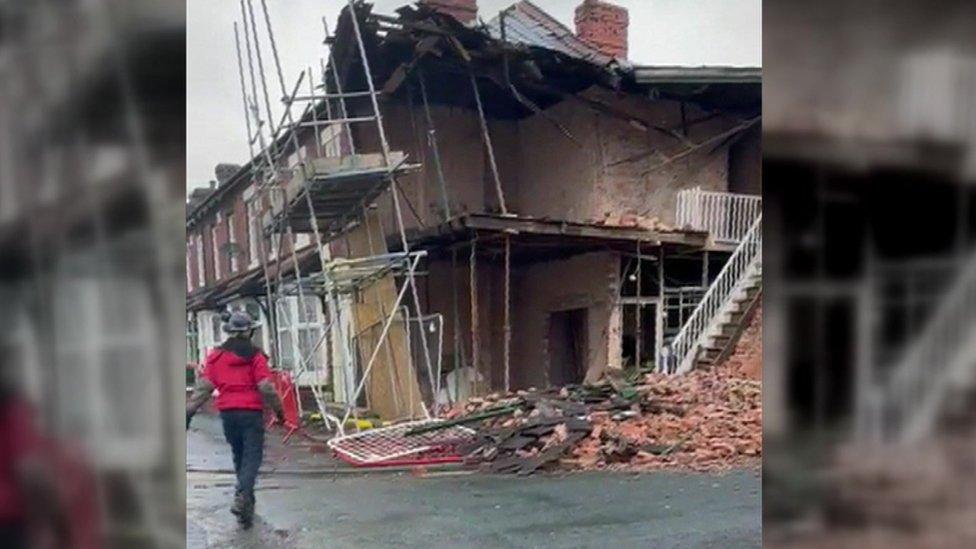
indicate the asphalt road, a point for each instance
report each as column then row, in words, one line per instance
column 471, row 510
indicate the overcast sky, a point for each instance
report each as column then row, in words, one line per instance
column 667, row 32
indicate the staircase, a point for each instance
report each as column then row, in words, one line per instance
column 720, row 341
column 937, row 372
column 714, row 324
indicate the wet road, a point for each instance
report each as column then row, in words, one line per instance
column 470, row 510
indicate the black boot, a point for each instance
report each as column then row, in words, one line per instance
column 238, row 505
column 245, row 516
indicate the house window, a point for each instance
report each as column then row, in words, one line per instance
column 201, row 275
column 189, row 262
column 232, row 239
column 215, row 248
column 107, row 355
column 208, row 332
column 297, row 157
column 273, row 248
column 253, row 232
column 300, row 328
column 192, row 340
column 331, row 140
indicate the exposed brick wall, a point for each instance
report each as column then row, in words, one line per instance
column 558, row 179
column 747, row 357
column 464, row 11
column 603, row 26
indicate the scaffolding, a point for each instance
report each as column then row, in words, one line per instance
column 329, row 195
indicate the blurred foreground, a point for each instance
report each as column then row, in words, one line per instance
column 870, row 321
column 91, row 273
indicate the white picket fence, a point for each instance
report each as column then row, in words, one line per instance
column 726, row 216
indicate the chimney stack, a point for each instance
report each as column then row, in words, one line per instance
column 603, row 26
column 464, row 11
column 225, row 171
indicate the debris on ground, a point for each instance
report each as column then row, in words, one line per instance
column 706, row 420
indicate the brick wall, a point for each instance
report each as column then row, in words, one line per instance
column 747, row 357
column 603, row 26
column 559, row 179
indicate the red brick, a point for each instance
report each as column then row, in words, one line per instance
column 747, row 357
column 604, row 26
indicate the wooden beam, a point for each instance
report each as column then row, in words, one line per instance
column 508, row 312
column 533, row 226
column 475, row 336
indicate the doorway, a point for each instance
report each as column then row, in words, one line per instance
column 640, row 328
column 567, row 347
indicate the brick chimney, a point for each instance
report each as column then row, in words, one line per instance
column 464, row 11
column 225, row 171
column 603, row 26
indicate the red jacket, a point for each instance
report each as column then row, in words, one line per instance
column 236, row 379
column 20, row 442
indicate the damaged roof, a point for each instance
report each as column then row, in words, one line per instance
column 539, row 63
column 514, row 77
column 524, row 61
column 527, row 24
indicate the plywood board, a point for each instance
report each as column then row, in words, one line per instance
column 392, row 386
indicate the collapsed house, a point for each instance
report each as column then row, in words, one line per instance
column 466, row 207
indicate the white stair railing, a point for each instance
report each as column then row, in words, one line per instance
column 905, row 406
column 726, row 216
column 679, row 355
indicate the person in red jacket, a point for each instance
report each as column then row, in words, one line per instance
column 239, row 372
column 30, row 510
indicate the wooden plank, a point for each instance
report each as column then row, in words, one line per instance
column 532, row 226
column 392, row 388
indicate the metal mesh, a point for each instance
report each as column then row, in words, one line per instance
column 377, row 446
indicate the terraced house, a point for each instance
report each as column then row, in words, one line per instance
column 472, row 202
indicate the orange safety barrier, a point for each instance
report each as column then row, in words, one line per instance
column 288, row 394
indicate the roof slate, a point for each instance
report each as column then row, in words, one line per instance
column 527, row 24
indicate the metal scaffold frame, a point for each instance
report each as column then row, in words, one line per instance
column 337, row 276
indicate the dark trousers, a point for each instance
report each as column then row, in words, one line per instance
column 244, row 431
column 13, row 535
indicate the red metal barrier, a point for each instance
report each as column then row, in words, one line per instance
column 288, row 394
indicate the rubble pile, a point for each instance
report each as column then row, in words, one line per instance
column 706, row 420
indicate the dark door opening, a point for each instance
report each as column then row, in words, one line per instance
column 567, row 347
column 820, row 361
column 638, row 342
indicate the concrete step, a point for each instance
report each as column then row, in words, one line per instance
column 710, row 354
column 733, row 314
column 718, row 341
column 704, row 363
